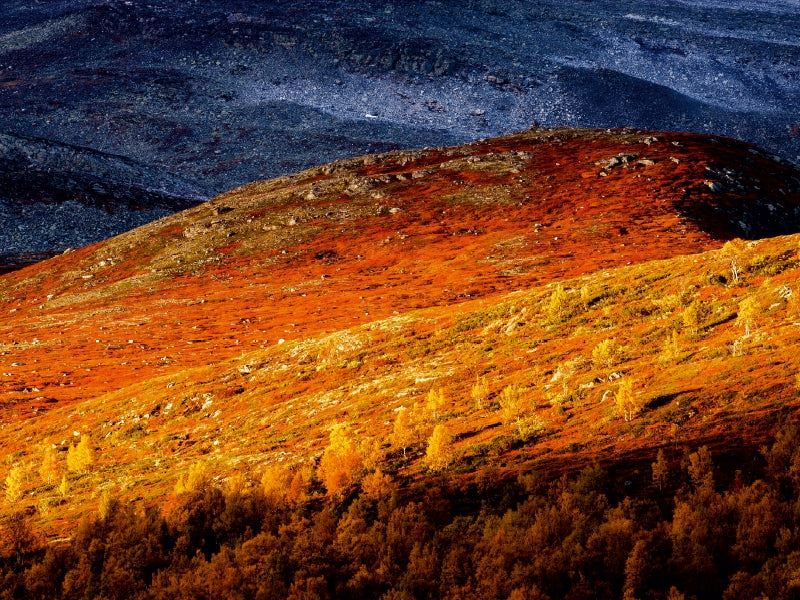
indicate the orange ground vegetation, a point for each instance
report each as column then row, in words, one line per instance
column 242, row 330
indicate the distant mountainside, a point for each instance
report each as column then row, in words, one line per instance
column 224, row 93
column 54, row 196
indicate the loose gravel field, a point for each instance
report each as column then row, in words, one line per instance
column 206, row 96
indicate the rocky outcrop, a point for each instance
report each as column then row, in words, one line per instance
column 41, row 171
column 54, row 196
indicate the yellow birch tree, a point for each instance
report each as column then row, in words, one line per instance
column 435, row 403
column 341, row 462
column 14, row 482
column 80, row 457
column 48, row 470
column 402, row 433
column 440, row 448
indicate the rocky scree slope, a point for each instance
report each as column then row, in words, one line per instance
column 53, row 196
column 224, row 93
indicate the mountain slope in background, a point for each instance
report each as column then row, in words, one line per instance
column 54, row 195
column 224, row 93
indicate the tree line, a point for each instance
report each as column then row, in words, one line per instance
column 676, row 532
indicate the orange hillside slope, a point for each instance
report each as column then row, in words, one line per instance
column 360, row 240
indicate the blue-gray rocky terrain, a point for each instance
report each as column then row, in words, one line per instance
column 115, row 112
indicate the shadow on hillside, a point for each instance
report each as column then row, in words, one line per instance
column 468, row 434
column 665, row 399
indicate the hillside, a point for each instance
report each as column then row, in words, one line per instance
column 554, row 299
column 222, row 93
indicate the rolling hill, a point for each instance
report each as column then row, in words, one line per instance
column 546, row 301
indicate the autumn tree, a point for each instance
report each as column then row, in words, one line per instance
column 559, row 390
column 701, row 468
column 660, row 470
column 236, row 485
column 402, row 432
column 377, row 486
column 195, row 480
column 586, row 297
column 372, row 452
column 80, row 457
column 558, row 303
column 275, row 482
column 749, row 309
column 694, row 316
column 513, row 407
column 341, row 462
column 300, row 485
column 671, row 351
column 18, row 537
column 628, row 405
column 480, row 391
column 440, row 448
column 63, row 487
column 606, row 353
column 732, row 250
column 419, row 420
column 434, row 403
column 14, row 482
column 108, row 502
column 48, row 470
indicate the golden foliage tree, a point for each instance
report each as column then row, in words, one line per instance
column 434, row 403
column 749, row 309
column 480, row 391
column 671, row 351
column 63, row 487
column 586, row 297
column 628, row 404
column 660, row 470
column 341, row 462
column 558, row 392
column 402, row 432
column 440, row 448
column 558, row 303
column 236, row 485
column 108, row 503
column 701, row 468
column 694, row 315
column 81, row 457
column 606, row 353
column 275, row 482
column 14, row 483
column 300, row 484
column 513, row 407
column 372, row 453
column 48, row 470
column 196, row 479
column 732, row 250
column 377, row 486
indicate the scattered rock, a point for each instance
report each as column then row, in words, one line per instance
column 615, row 161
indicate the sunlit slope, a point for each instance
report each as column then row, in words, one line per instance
column 240, row 331
column 357, row 241
column 708, row 361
